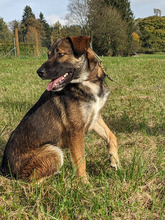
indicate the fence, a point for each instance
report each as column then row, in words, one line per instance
column 17, row 49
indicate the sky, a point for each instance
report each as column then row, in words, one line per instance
column 55, row 10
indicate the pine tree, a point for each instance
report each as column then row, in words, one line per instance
column 29, row 26
column 28, row 15
column 47, row 32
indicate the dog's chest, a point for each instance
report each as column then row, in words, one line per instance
column 92, row 108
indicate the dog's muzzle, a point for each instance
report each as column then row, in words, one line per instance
column 41, row 72
column 57, row 83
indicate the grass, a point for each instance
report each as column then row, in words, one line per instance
column 135, row 112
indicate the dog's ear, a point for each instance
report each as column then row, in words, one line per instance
column 92, row 60
column 80, row 44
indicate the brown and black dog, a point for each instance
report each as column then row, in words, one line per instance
column 70, row 107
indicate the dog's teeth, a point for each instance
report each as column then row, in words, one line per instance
column 65, row 75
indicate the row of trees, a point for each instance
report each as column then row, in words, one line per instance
column 110, row 23
column 114, row 30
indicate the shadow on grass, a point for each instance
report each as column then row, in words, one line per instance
column 126, row 125
column 2, row 147
column 99, row 168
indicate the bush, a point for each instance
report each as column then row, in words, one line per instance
column 6, row 47
column 153, row 33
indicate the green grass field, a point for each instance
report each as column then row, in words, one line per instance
column 135, row 112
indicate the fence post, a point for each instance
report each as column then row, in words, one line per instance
column 17, row 42
column 37, row 47
column 51, row 39
column 15, row 52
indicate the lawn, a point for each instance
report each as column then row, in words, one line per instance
column 135, row 112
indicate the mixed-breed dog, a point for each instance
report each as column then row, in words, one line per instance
column 69, row 108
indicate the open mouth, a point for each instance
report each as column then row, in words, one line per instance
column 61, row 82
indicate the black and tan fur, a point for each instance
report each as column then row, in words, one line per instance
column 64, row 113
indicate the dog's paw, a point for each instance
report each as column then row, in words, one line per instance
column 114, row 162
column 81, row 180
column 84, row 180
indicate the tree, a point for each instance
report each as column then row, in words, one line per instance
column 124, row 8
column 109, row 23
column 27, row 18
column 34, row 25
column 27, row 14
column 14, row 24
column 29, row 26
column 57, row 30
column 153, row 33
column 47, row 32
column 107, row 28
column 135, row 42
column 72, row 30
column 127, row 15
column 5, row 34
column 78, row 14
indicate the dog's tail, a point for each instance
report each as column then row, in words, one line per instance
column 47, row 161
column 40, row 163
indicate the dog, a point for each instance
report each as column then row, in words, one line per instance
column 69, row 108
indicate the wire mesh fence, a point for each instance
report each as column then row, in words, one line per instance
column 8, row 49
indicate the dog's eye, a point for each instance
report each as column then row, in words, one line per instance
column 61, row 54
column 49, row 54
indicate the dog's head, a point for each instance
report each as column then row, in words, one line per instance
column 70, row 60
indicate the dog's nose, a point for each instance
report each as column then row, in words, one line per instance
column 41, row 72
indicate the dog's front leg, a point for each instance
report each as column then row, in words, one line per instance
column 102, row 129
column 77, row 152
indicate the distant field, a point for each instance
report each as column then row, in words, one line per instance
column 135, row 112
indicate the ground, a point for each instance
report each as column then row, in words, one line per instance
column 135, row 112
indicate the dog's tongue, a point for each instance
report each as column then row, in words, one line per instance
column 53, row 83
